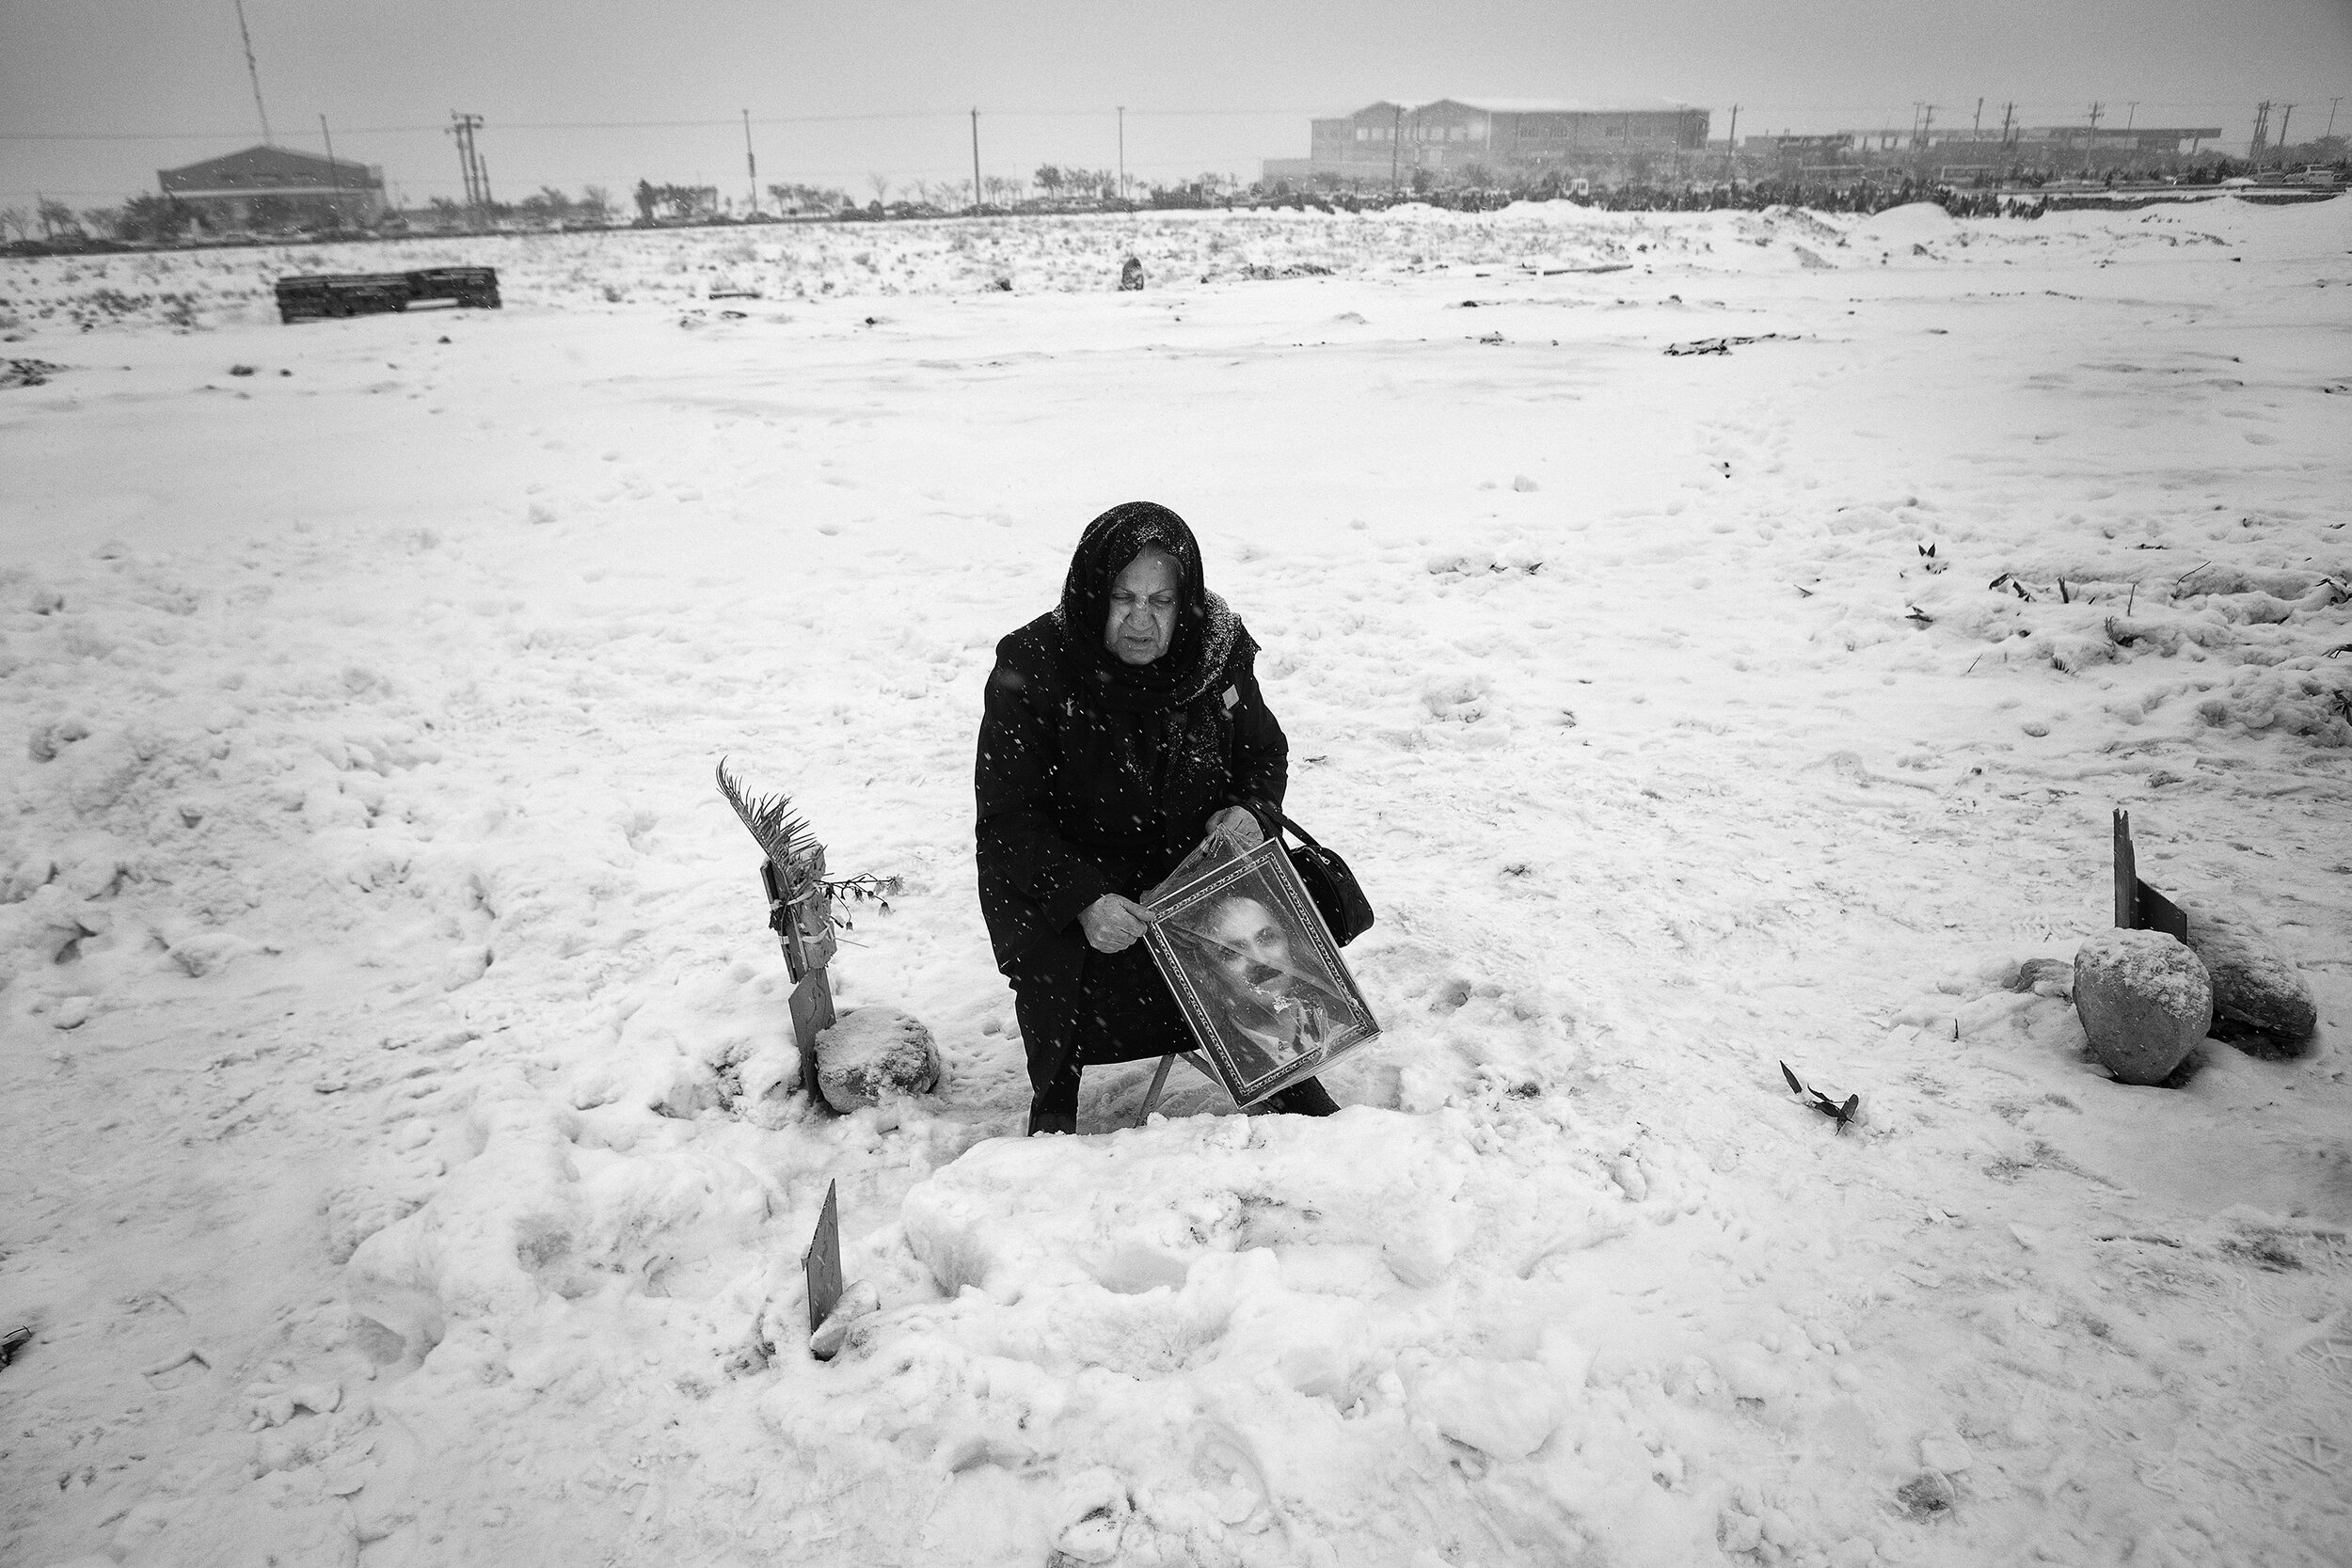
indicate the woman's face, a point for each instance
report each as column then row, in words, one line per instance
column 1143, row 607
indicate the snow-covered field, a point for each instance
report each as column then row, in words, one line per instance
column 388, row 1014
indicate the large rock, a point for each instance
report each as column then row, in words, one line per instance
column 2257, row 991
column 871, row 1053
column 2145, row 1001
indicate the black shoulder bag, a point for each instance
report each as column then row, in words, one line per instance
column 1337, row 897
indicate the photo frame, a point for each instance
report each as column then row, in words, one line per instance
column 1256, row 974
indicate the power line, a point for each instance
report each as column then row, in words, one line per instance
column 1764, row 110
column 663, row 124
column 961, row 173
column 420, row 129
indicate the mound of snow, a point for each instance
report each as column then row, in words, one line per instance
column 1914, row 223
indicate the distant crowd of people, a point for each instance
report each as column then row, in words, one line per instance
column 1864, row 197
column 2016, row 196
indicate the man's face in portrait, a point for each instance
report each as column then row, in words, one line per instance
column 1250, row 951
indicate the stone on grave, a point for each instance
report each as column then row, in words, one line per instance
column 2144, row 1000
column 861, row 1300
column 2045, row 977
column 871, row 1053
column 2255, row 987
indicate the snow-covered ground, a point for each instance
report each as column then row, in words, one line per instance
column 387, row 1013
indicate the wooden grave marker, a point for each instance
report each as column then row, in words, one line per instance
column 821, row 1262
column 800, row 912
column 804, row 927
column 2138, row 906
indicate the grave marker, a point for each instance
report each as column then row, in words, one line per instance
column 821, row 1262
column 2138, row 906
column 800, row 912
column 805, row 927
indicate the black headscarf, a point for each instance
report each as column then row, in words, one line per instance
column 1204, row 631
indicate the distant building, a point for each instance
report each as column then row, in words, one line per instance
column 1809, row 149
column 1970, row 148
column 1503, row 138
column 2159, row 141
column 274, row 187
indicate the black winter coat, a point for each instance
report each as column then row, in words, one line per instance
column 1077, row 803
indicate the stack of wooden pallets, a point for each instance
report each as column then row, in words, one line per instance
column 364, row 292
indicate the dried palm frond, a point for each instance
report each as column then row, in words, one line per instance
column 772, row 825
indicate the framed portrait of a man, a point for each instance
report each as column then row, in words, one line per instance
column 1255, row 971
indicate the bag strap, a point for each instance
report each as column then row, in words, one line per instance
column 1264, row 809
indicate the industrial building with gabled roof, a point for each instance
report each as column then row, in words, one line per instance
column 1444, row 140
column 267, row 186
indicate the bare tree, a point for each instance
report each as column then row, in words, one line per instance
column 149, row 217
column 16, row 218
column 596, row 202
column 546, row 205
column 808, row 198
column 55, row 215
column 880, row 182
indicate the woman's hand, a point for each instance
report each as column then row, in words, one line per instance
column 1239, row 825
column 1112, row 924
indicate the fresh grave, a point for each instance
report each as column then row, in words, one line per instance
column 848, row 1060
column 2149, row 990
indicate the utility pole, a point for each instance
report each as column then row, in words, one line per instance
column 2331, row 117
column 2133, row 115
column 458, row 129
column 2091, row 142
column 470, row 160
column 1396, row 147
column 2285, row 120
column 976, row 158
column 2009, row 112
column 1731, row 147
column 1122, row 152
column 254, row 72
column 334, row 172
column 751, row 164
column 2261, row 128
column 1976, row 127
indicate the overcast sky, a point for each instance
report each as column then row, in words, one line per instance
column 1212, row 85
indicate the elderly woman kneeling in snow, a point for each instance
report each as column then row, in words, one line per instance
column 1121, row 729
